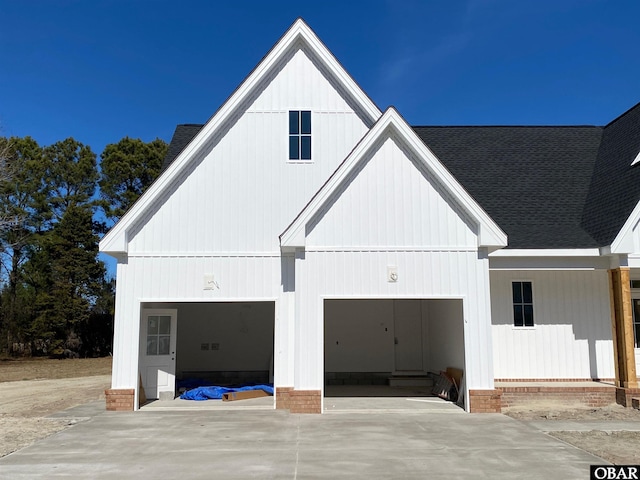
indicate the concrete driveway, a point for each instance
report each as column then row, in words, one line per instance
column 275, row 444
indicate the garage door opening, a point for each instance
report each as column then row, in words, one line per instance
column 390, row 347
column 222, row 343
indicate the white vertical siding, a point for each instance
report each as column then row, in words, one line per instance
column 299, row 85
column 285, row 325
column 391, row 202
column 124, row 371
column 572, row 333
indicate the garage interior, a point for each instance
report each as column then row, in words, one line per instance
column 389, row 347
column 224, row 343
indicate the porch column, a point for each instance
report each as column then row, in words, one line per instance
column 622, row 327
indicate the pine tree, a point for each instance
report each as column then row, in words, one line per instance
column 128, row 168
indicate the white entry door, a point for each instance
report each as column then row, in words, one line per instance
column 158, row 353
column 407, row 317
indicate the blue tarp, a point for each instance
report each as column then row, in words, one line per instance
column 215, row 392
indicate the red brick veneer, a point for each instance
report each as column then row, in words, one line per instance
column 305, row 401
column 547, row 380
column 591, row 396
column 282, row 398
column 485, row 401
column 120, row 400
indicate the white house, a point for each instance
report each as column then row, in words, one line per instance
column 303, row 235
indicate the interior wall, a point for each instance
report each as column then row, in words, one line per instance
column 358, row 335
column 446, row 334
column 214, row 337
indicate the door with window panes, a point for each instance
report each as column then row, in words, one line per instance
column 158, row 353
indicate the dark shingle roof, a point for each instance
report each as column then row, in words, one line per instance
column 181, row 138
column 533, row 181
column 546, row 187
column 615, row 187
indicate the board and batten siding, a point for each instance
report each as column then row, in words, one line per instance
column 390, row 202
column 245, row 192
column 572, row 334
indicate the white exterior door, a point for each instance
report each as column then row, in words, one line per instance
column 158, row 353
column 407, row 317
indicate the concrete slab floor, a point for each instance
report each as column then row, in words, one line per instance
column 276, row 444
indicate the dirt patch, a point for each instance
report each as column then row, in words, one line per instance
column 618, row 447
column 549, row 411
column 18, row 433
column 15, row 369
column 49, row 386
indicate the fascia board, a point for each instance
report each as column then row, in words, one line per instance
column 114, row 245
column 549, row 263
column 623, row 243
column 299, row 29
column 551, row 252
column 493, row 235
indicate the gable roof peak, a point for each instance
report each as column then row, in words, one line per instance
column 116, row 240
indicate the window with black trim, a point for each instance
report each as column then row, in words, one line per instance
column 522, row 304
column 299, row 135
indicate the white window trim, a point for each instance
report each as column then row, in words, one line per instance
column 637, row 160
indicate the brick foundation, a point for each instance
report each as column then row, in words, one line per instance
column 120, row 400
column 554, row 380
column 590, row 396
column 282, row 398
column 484, row 401
column 624, row 396
column 305, row 401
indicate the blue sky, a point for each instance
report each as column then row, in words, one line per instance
column 101, row 70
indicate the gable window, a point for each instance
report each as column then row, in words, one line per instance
column 299, row 135
column 522, row 304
